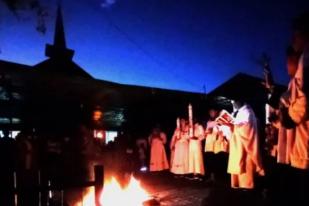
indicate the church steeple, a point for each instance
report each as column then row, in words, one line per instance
column 59, row 38
column 59, row 49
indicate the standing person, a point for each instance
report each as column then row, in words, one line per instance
column 285, row 132
column 180, row 148
column 244, row 158
column 211, row 133
column 297, row 106
column 279, row 139
column 196, row 164
column 158, row 159
column 141, row 144
column 221, row 151
column 294, row 112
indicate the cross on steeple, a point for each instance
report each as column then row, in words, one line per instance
column 59, row 49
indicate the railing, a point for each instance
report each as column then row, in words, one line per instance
column 16, row 190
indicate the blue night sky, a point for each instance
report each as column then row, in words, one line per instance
column 174, row 44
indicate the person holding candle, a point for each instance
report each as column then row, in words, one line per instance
column 196, row 134
column 211, row 133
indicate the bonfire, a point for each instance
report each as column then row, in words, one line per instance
column 113, row 194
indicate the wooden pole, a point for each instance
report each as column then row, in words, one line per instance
column 40, row 192
column 99, row 183
column 15, row 187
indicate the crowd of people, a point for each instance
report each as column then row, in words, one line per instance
column 231, row 147
column 235, row 146
column 32, row 160
column 226, row 144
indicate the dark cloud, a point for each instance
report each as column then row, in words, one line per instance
column 107, row 3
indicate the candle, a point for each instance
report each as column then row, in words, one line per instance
column 178, row 123
column 190, row 111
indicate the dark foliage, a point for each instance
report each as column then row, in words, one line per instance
column 33, row 6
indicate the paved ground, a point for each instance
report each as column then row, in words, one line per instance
column 171, row 191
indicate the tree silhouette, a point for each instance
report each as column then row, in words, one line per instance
column 32, row 6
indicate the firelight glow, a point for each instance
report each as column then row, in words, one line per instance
column 113, row 194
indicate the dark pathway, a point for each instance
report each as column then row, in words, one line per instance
column 171, row 191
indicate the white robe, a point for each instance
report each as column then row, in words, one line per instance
column 285, row 137
column 244, row 157
column 158, row 159
column 218, row 140
column 211, row 137
column 298, row 111
column 196, row 164
column 180, row 151
column 222, row 141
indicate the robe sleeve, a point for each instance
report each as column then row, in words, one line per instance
column 297, row 109
column 173, row 141
column 201, row 133
column 248, row 134
column 298, row 105
column 209, row 127
column 226, row 131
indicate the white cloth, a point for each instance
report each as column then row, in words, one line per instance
column 298, row 111
column 196, row 164
column 285, row 144
column 222, row 141
column 244, row 157
column 180, row 151
column 211, row 137
column 158, row 159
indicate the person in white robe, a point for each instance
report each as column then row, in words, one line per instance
column 244, row 155
column 221, row 150
column 297, row 104
column 158, row 158
column 180, row 149
column 216, row 146
column 211, row 134
column 286, row 135
column 294, row 114
column 196, row 163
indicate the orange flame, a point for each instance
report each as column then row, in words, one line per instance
column 113, row 194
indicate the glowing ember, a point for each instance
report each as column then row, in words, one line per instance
column 113, row 194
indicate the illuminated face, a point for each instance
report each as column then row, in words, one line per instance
column 183, row 123
column 213, row 113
